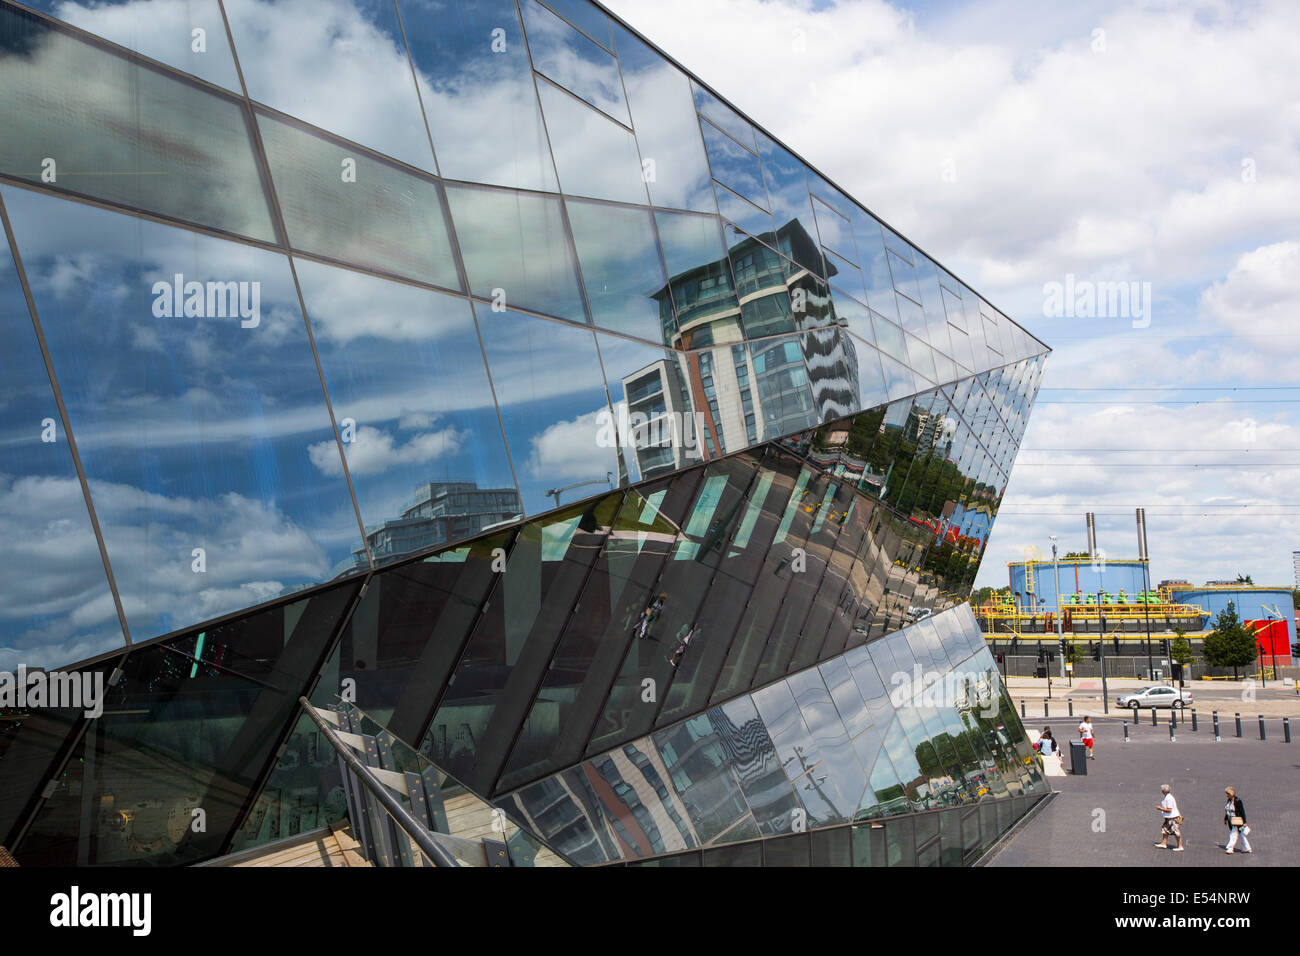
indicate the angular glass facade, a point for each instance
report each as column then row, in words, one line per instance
column 567, row 409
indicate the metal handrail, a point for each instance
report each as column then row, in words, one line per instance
column 430, row 847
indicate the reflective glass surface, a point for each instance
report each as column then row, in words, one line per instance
column 554, row 407
column 413, row 408
column 621, row 267
column 345, row 205
column 197, row 409
column 574, row 61
column 594, row 156
column 516, row 250
column 189, row 36
column 145, row 139
column 476, row 85
column 340, row 65
column 55, row 605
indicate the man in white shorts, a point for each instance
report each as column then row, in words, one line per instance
column 1172, row 824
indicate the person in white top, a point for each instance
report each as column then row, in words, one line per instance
column 1085, row 734
column 1234, row 815
column 1172, row 824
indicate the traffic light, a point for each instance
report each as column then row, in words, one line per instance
column 1094, row 647
column 1001, row 658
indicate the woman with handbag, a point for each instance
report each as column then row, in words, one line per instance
column 1171, row 824
column 1234, row 815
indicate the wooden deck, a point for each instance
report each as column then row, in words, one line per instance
column 324, row 848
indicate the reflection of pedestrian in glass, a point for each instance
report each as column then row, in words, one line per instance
column 649, row 615
column 676, row 657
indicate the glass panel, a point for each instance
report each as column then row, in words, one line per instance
column 832, row 361
column 189, row 36
column 340, row 203
column 898, row 378
column 516, row 250
column 788, row 851
column 198, row 411
column 832, row 847
column 586, row 17
column 753, row 759
column 791, row 205
column 784, row 396
column 748, row 854
column 699, row 279
column 667, row 130
column 513, row 640
column 343, row 69
column 55, row 605
column 734, row 166
column 617, row 605
column 872, row 390
column 193, row 723
column 744, row 213
column 558, row 423
column 621, row 268
column 565, row 55
column 656, row 428
column 414, row 409
column 593, row 155
column 146, row 139
column 668, row 636
column 477, row 88
column 875, row 264
column 723, row 116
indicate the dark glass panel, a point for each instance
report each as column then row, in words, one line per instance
column 189, row 36
column 621, row 269
column 667, row 130
column 516, row 250
column 477, row 88
column 729, row 593
column 615, row 610
column 832, row 847
column 192, row 725
column 566, row 56
column 202, row 428
column 343, row 69
column 552, row 398
column 788, row 851
column 341, row 203
column 594, row 156
column 682, row 585
column 55, row 605
column 414, row 408
column 145, row 139
column 869, row 845
column 747, row 854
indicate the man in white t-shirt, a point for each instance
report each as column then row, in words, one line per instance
column 1085, row 734
column 1171, row 824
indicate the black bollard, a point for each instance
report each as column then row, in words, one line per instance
column 1216, row 725
column 1022, row 708
column 1126, row 731
column 1173, row 716
column 1261, row 726
column 1045, row 713
column 1070, row 701
column 1238, row 716
column 1171, row 725
column 1153, row 716
column 1193, row 718
column 1286, row 729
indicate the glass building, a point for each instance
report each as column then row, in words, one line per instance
column 705, row 454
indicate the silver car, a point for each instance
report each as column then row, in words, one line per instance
column 1156, row 695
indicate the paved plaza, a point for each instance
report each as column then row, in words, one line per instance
column 1108, row 817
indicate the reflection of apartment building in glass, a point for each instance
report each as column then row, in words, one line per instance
column 440, row 511
column 321, row 300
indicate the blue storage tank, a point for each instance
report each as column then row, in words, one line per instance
column 1077, row 576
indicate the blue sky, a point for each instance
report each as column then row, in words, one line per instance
column 1020, row 144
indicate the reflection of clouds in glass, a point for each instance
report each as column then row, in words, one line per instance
column 570, row 450
column 566, row 56
column 329, row 63
column 160, row 29
column 374, row 450
column 478, row 93
column 594, row 156
column 55, row 607
column 134, row 136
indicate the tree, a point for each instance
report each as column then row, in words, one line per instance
column 1295, row 597
column 1245, row 579
column 1230, row 644
column 1180, row 648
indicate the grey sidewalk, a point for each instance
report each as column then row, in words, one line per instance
column 1122, row 788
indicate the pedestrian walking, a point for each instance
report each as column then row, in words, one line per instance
column 1234, row 815
column 1172, row 822
column 1086, row 735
